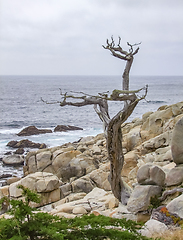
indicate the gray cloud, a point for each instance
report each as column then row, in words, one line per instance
column 66, row 37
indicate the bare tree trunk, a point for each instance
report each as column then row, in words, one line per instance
column 126, row 74
column 115, row 153
column 116, row 158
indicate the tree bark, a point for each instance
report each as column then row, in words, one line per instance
column 115, row 153
column 126, row 74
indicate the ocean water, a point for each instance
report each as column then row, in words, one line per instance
column 21, row 105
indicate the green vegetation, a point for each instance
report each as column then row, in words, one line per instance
column 155, row 202
column 26, row 224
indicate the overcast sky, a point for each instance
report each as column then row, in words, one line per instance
column 65, row 37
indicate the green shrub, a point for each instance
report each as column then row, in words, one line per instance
column 25, row 224
column 155, row 202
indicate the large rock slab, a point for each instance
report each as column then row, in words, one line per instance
column 32, row 130
column 177, row 142
column 67, row 161
column 140, row 197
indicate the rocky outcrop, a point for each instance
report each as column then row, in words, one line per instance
column 152, row 163
column 25, row 144
column 146, row 145
column 158, row 122
column 65, row 128
column 46, row 184
column 68, row 161
column 32, row 130
column 97, row 201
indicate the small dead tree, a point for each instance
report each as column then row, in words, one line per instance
column 128, row 56
column 112, row 126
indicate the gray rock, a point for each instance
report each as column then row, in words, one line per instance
column 65, row 190
column 96, row 150
column 122, row 212
column 43, row 160
column 31, row 163
column 95, row 194
column 150, row 175
column 176, row 206
column 152, row 227
column 12, row 180
column 83, row 184
column 175, row 176
column 140, row 197
column 13, row 160
column 79, row 210
column 61, row 164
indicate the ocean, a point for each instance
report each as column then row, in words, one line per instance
column 21, row 106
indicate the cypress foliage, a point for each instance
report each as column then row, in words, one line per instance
column 26, row 224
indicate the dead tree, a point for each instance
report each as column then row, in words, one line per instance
column 112, row 126
column 118, row 52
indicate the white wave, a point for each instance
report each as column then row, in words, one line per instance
column 10, row 131
column 59, row 138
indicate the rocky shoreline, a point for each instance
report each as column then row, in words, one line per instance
column 14, row 157
column 73, row 178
